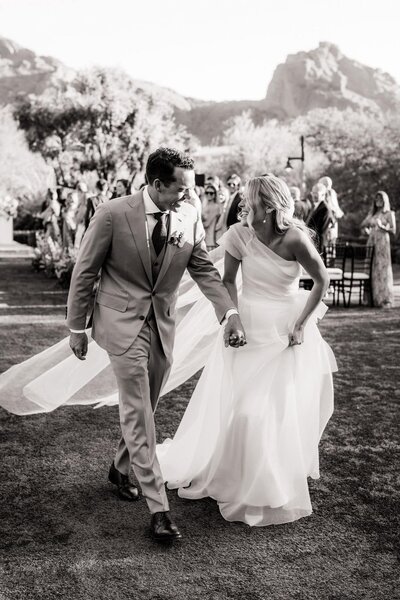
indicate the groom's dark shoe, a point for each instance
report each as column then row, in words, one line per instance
column 126, row 489
column 163, row 529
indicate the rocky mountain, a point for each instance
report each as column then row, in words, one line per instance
column 23, row 72
column 320, row 78
column 324, row 77
column 207, row 120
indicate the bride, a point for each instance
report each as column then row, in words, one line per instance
column 249, row 436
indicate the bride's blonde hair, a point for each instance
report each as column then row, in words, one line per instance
column 273, row 194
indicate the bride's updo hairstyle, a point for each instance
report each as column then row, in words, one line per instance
column 273, row 195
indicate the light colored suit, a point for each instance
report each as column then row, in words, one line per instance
column 134, row 316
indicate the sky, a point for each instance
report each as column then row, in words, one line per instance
column 208, row 49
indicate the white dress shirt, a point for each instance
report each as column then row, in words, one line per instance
column 150, row 208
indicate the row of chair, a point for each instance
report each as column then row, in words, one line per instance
column 350, row 269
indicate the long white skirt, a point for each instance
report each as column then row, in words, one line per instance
column 249, row 437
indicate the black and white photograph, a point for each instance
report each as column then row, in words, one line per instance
column 199, row 300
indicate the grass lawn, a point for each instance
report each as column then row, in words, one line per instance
column 66, row 535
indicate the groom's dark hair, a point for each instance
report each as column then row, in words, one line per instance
column 162, row 162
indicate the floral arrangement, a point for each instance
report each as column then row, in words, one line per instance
column 53, row 259
column 8, row 206
column 65, row 265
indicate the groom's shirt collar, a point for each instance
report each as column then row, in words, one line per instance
column 149, row 206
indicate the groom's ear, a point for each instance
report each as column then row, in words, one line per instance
column 157, row 184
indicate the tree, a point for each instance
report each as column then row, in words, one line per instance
column 252, row 149
column 101, row 123
column 363, row 156
column 23, row 174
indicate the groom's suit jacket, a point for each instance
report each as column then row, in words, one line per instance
column 117, row 243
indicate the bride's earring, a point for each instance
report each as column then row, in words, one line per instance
column 269, row 210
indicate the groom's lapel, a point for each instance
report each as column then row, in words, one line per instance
column 176, row 224
column 136, row 218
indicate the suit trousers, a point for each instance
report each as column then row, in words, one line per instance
column 141, row 372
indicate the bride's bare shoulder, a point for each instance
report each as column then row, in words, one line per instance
column 295, row 237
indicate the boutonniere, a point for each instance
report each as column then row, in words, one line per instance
column 177, row 238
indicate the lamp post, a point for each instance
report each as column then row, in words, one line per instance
column 289, row 165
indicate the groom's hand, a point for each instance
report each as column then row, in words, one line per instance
column 234, row 334
column 78, row 342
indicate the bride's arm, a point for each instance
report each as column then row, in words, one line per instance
column 231, row 267
column 306, row 254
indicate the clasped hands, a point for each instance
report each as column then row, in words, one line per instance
column 234, row 332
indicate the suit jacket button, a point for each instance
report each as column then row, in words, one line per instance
column 142, row 318
column 153, row 293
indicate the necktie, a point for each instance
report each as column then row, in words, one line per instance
column 159, row 235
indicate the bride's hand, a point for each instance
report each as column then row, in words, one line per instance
column 297, row 336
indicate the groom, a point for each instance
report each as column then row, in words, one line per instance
column 143, row 243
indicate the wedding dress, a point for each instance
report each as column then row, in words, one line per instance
column 249, row 437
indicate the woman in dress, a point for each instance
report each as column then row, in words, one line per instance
column 249, row 437
column 102, row 195
column 333, row 204
column 50, row 215
column 379, row 223
column 211, row 212
column 69, row 220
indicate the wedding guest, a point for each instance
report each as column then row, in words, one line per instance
column 192, row 198
column 321, row 217
column 230, row 209
column 210, row 215
column 101, row 196
column 379, row 223
column 296, row 195
column 121, row 188
column 332, row 201
column 69, row 222
column 51, row 211
column 234, row 184
column 223, row 193
column 80, row 214
column 302, row 207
